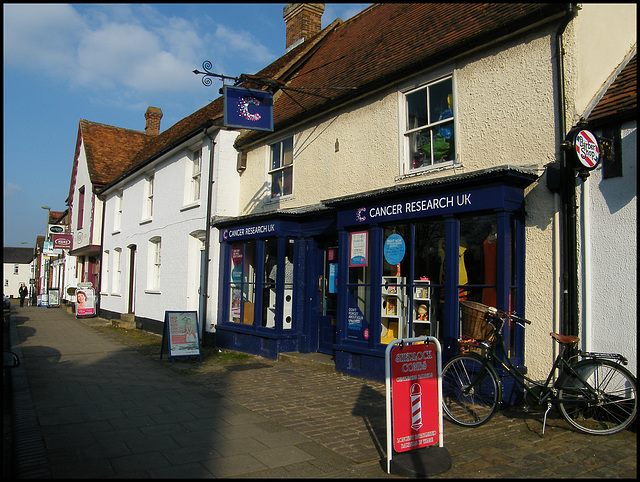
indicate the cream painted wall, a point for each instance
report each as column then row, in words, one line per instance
column 505, row 103
column 604, row 35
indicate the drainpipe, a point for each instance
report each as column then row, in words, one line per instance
column 207, row 235
column 585, row 209
column 568, row 254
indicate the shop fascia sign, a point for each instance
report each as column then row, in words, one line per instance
column 249, row 231
column 448, row 202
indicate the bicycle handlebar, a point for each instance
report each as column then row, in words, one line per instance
column 505, row 314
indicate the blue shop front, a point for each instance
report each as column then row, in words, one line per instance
column 354, row 273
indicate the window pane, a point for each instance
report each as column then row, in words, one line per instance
column 287, row 151
column 276, row 184
column 443, row 145
column 275, row 156
column 440, row 101
column 417, row 109
column 287, row 182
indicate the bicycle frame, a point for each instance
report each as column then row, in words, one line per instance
column 542, row 392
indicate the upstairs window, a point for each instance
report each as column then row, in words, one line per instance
column 281, row 168
column 80, row 207
column 429, row 131
column 148, row 201
column 117, row 212
column 196, row 170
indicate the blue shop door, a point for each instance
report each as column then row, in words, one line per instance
column 327, row 294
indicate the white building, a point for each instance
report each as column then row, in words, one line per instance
column 17, row 269
column 158, row 254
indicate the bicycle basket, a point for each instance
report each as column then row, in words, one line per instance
column 474, row 324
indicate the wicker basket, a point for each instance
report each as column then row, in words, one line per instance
column 474, row 324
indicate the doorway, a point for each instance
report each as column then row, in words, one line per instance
column 327, row 283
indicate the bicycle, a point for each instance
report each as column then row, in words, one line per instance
column 594, row 392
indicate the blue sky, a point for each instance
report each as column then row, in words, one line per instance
column 107, row 64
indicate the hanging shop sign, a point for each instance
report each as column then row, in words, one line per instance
column 56, row 228
column 584, row 150
column 62, row 241
column 248, row 108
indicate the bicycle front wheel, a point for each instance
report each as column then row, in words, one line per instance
column 611, row 409
column 471, row 391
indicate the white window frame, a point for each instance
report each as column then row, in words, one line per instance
column 117, row 212
column 106, row 276
column 147, row 213
column 281, row 167
column 430, row 126
column 195, row 175
column 117, row 271
column 154, row 264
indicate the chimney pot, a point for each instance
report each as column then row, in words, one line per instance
column 303, row 21
column 153, row 116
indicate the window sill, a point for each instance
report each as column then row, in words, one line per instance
column 279, row 199
column 186, row 207
column 146, row 221
column 115, row 231
column 153, row 292
column 444, row 166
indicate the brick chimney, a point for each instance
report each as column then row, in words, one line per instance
column 153, row 116
column 303, row 21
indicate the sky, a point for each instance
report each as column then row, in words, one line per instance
column 107, row 64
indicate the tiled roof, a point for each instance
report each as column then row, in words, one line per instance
column 386, row 42
column 109, row 149
column 17, row 255
column 621, row 99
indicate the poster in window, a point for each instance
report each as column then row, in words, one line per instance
column 358, row 249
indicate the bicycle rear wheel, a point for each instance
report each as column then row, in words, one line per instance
column 616, row 405
column 471, row 391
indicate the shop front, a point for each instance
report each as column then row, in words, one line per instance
column 370, row 268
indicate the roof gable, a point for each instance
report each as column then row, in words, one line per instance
column 621, row 98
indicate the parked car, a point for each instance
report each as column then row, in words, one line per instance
column 6, row 303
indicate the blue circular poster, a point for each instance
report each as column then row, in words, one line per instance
column 394, row 249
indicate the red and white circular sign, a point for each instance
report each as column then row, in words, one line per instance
column 587, row 149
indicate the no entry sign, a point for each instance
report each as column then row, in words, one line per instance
column 414, row 387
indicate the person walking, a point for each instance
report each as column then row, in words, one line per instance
column 23, row 292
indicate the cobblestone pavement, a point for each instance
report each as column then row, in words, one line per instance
column 105, row 409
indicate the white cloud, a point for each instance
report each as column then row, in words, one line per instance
column 115, row 46
column 10, row 189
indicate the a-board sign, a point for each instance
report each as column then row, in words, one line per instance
column 414, row 382
column 85, row 302
column 181, row 333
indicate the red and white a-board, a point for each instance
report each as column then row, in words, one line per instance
column 413, row 368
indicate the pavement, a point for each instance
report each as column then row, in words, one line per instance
column 87, row 403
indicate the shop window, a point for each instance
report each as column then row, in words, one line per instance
column 270, row 286
column 429, row 130
column 281, row 168
column 359, row 287
column 242, row 286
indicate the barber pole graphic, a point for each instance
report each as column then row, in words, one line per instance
column 416, row 407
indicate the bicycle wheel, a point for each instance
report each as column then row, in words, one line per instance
column 616, row 405
column 471, row 391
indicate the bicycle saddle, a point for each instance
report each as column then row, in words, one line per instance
column 565, row 340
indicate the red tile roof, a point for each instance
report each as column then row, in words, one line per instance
column 621, row 99
column 109, row 149
column 387, row 42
